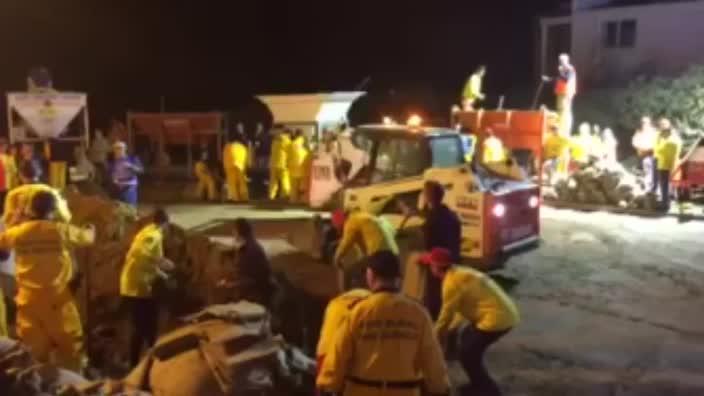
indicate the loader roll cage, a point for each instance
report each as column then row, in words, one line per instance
column 395, row 153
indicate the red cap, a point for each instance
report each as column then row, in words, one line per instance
column 437, row 256
column 338, row 218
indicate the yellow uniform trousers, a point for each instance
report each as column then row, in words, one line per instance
column 279, row 183
column 52, row 331
column 237, row 189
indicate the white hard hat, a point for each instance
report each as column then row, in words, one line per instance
column 119, row 144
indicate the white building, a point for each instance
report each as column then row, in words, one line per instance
column 613, row 40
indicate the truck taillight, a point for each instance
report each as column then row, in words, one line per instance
column 499, row 210
column 534, row 201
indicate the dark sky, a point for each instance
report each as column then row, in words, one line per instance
column 214, row 54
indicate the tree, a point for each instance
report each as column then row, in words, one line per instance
column 681, row 99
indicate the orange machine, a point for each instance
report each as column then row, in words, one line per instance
column 181, row 129
column 521, row 131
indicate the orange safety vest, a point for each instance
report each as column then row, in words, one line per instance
column 562, row 85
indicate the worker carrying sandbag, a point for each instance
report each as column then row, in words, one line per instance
column 473, row 89
column 47, row 318
column 279, row 176
column 667, row 154
column 493, row 149
column 144, row 264
column 235, row 161
column 297, row 161
column 362, row 231
column 386, row 346
column 335, row 315
column 490, row 312
column 19, row 200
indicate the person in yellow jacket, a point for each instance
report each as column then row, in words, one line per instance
column 472, row 91
column 667, row 153
column 144, row 264
column 363, row 232
column 279, row 176
column 336, row 313
column 489, row 310
column 493, row 149
column 297, row 159
column 556, row 153
column 235, row 160
column 47, row 318
column 18, row 201
column 386, row 346
column 206, row 179
column 580, row 145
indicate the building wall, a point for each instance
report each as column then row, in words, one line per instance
column 669, row 37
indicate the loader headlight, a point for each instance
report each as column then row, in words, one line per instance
column 533, row 202
column 499, row 210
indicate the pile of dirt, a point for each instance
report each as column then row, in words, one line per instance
column 604, row 183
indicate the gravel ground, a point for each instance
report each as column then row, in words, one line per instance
column 611, row 305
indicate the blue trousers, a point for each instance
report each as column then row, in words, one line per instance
column 127, row 194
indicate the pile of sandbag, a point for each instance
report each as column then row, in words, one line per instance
column 222, row 350
column 604, row 183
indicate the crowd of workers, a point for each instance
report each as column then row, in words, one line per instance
column 376, row 339
column 289, row 156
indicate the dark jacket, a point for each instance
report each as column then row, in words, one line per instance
column 253, row 274
column 443, row 229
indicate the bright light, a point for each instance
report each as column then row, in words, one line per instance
column 414, row 120
column 533, row 202
column 388, row 121
column 499, row 210
column 456, row 109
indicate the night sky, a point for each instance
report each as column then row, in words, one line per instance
column 204, row 55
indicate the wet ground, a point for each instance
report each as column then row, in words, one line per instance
column 611, row 304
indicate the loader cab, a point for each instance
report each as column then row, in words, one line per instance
column 397, row 153
column 396, row 158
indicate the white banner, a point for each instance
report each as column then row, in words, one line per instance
column 47, row 115
column 470, row 209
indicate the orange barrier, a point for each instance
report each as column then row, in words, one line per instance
column 176, row 128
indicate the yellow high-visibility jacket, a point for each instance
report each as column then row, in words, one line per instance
column 42, row 257
column 201, row 170
column 368, row 232
column 10, row 166
column 142, row 261
column 667, row 153
column 19, row 201
column 387, row 337
column 476, row 297
column 580, row 148
column 473, row 87
column 493, row 150
column 279, row 152
column 335, row 314
column 240, row 156
column 297, row 155
column 555, row 146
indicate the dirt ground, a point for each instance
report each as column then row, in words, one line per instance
column 611, row 305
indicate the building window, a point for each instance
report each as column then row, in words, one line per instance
column 620, row 34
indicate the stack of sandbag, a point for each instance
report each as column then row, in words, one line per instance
column 603, row 183
column 222, row 350
column 111, row 219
